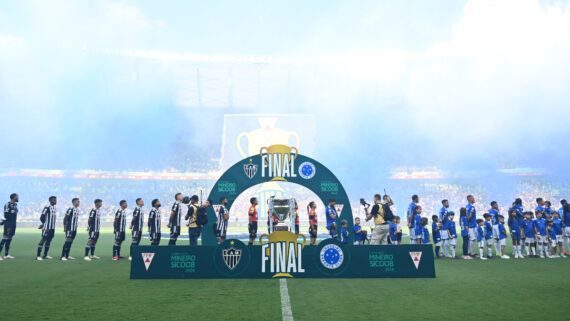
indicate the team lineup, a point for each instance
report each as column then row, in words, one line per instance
column 544, row 232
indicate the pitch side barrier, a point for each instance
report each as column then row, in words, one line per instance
column 283, row 258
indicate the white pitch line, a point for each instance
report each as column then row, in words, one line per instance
column 285, row 302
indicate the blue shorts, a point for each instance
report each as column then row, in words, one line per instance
column 516, row 236
column 329, row 224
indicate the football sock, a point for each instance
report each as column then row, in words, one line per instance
column 437, row 251
column 2, row 244
column 87, row 247
column 533, row 250
column 481, row 252
column 453, row 250
column 40, row 249
column 8, row 242
column 92, row 249
column 115, row 250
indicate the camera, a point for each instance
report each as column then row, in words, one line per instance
column 363, row 202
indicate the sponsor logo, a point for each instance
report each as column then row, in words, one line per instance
column 416, row 258
column 307, row 170
column 231, row 257
column 331, row 256
column 184, row 261
column 329, row 187
column 338, row 208
column 147, row 259
column 283, row 254
column 250, row 169
column 381, row 260
column 227, row 187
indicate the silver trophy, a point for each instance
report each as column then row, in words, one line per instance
column 281, row 209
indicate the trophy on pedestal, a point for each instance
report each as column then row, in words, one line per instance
column 283, row 210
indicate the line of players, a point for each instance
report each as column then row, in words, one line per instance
column 542, row 232
column 186, row 207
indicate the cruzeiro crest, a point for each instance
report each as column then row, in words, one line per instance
column 250, row 169
column 331, row 256
column 231, row 256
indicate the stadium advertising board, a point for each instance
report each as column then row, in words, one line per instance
column 282, row 257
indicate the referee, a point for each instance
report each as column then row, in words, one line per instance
column 381, row 229
column 221, row 225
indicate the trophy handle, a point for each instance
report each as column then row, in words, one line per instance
column 261, row 153
column 261, row 237
column 296, row 152
column 243, row 134
column 304, row 240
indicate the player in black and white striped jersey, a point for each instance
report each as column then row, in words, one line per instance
column 137, row 225
column 154, row 222
column 222, row 221
column 93, row 227
column 175, row 219
column 70, row 226
column 119, row 226
column 48, row 228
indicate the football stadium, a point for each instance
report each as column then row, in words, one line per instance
column 285, row 160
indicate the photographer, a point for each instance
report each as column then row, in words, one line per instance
column 381, row 214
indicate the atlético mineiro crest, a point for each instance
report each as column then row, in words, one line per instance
column 338, row 208
column 147, row 259
column 416, row 258
column 231, row 256
column 250, row 169
column 307, row 170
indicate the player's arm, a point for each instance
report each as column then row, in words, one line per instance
column 226, row 215
column 470, row 214
column 116, row 222
column 332, row 216
column 171, row 218
column 66, row 217
column 250, row 215
column 90, row 220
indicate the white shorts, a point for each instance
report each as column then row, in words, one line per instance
column 412, row 233
column 503, row 242
column 489, row 242
column 453, row 241
column 444, row 235
column 541, row 239
column 481, row 243
column 496, row 231
column 529, row 240
column 472, row 234
column 559, row 238
column 553, row 243
column 438, row 244
column 567, row 231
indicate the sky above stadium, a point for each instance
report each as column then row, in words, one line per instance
column 469, row 83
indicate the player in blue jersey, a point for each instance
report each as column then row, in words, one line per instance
column 557, row 226
column 565, row 217
column 452, row 233
column 480, row 237
column 515, row 231
column 443, row 213
column 344, row 232
column 436, row 234
column 409, row 218
column 541, row 236
column 488, row 229
column 494, row 212
column 547, row 213
column 465, row 234
column 472, row 224
column 359, row 234
column 529, row 232
column 425, row 231
column 539, row 205
column 331, row 215
column 416, row 225
column 502, row 237
column 551, row 234
column 517, row 206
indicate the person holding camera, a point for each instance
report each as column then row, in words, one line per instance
column 378, row 212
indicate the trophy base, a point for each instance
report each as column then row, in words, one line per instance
column 280, row 228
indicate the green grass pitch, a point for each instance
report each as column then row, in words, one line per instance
column 101, row 290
